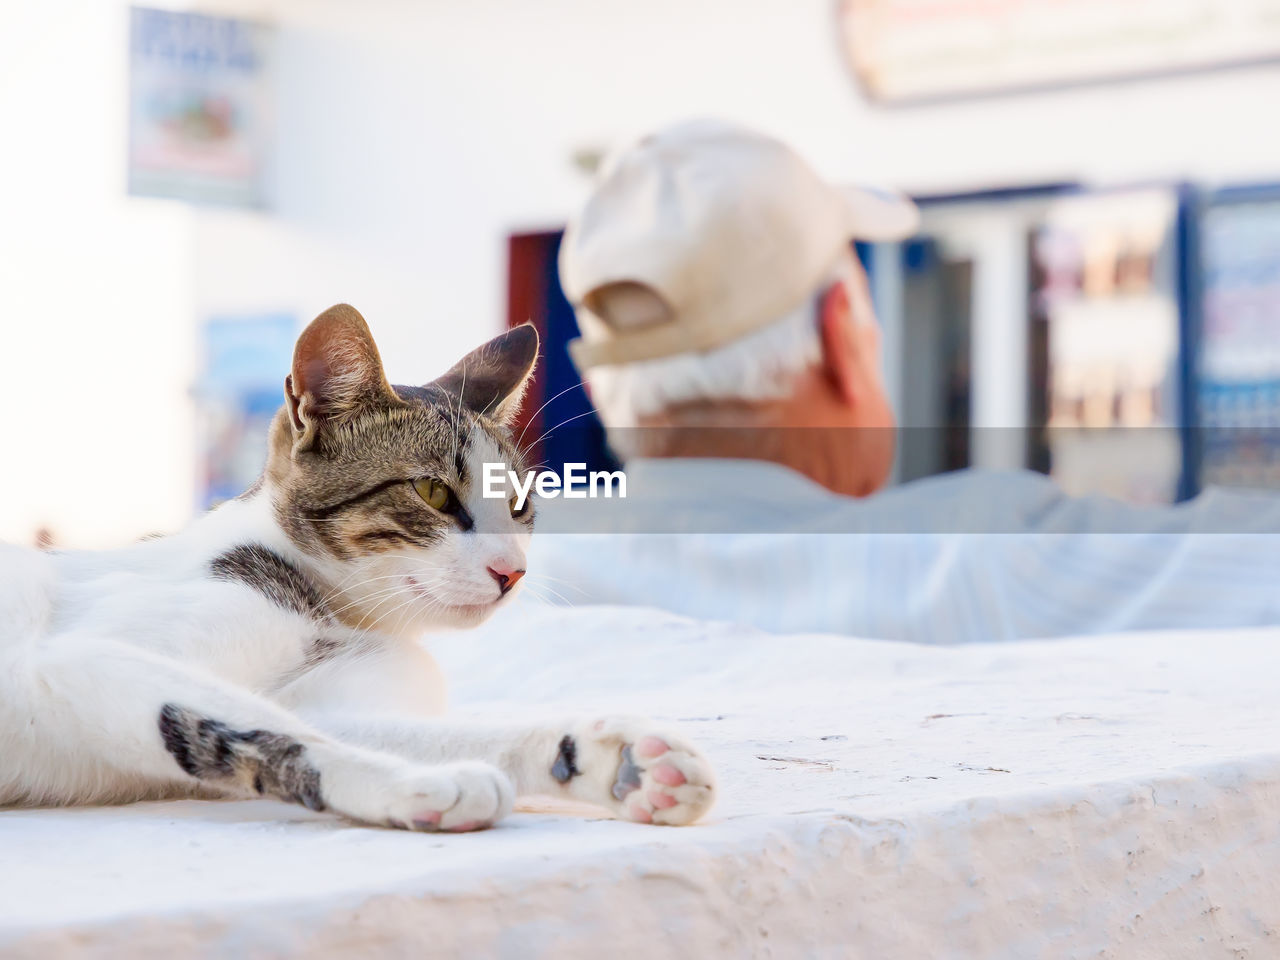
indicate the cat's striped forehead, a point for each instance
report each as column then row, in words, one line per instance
column 353, row 494
column 431, row 430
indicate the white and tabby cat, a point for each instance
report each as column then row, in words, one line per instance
column 269, row 649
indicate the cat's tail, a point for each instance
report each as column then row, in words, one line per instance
column 28, row 585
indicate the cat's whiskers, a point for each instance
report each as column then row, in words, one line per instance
column 546, row 577
column 558, row 595
column 534, row 588
column 421, row 582
column 529, row 421
column 430, row 603
column 434, row 581
column 386, row 597
column 457, row 418
column 400, row 619
column 341, row 586
column 539, row 586
column 377, row 595
column 373, row 626
column 561, row 424
column 532, row 591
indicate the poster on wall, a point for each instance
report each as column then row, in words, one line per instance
column 904, row 50
column 1239, row 363
column 199, row 107
column 243, row 364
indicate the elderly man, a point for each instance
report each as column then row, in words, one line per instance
column 730, row 346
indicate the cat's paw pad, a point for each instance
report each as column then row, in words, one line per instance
column 652, row 776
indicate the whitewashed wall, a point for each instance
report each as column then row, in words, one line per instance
column 96, row 338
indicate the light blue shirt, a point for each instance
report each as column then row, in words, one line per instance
column 959, row 558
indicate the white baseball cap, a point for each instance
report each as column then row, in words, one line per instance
column 730, row 228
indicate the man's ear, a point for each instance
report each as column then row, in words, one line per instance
column 336, row 372
column 492, row 378
column 839, row 343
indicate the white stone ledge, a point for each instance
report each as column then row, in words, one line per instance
column 1115, row 796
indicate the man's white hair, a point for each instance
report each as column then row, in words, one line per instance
column 758, row 367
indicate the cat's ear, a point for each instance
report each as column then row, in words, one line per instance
column 336, row 372
column 492, row 378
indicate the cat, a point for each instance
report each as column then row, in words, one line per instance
column 270, row 649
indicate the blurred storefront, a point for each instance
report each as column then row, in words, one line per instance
column 1119, row 331
column 1052, row 320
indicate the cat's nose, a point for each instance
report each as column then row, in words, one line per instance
column 507, row 577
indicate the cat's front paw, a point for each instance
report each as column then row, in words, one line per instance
column 646, row 773
column 453, row 797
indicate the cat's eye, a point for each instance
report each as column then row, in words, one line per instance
column 518, row 509
column 436, row 494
